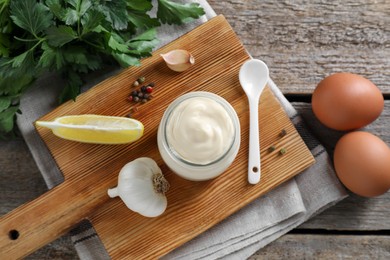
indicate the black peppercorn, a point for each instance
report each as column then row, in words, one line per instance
column 134, row 93
column 283, row 133
column 143, row 89
column 140, row 94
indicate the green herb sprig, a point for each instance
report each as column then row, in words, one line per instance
column 74, row 37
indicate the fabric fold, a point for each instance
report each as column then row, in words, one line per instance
column 240, row 229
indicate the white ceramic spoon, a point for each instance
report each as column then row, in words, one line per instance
column 253, row 78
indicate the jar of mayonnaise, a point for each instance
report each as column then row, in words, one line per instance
column 199, row 136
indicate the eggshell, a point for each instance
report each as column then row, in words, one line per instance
column 346, row 101
column 362, row 163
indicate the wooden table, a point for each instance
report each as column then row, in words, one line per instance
column 302, row 42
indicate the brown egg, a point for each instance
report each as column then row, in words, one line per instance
column 362, row 163
column 345, row 101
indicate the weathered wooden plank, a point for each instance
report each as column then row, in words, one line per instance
column 304, row 41
column 354, row 213
column 60, row 249
column 297, row 246
column 21, row 181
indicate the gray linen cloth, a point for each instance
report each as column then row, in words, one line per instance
column 238, row 236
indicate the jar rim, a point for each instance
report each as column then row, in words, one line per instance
column 223, row 102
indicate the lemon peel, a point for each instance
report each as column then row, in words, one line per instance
column 97, row 129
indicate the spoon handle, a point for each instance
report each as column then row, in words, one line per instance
column 254, row 170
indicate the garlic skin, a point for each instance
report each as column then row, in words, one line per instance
column 178, row 60
column 142, row 187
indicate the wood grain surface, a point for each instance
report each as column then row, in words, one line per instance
column 302, row 42
column 298, row 246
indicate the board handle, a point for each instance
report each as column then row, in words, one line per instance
column 39, row 222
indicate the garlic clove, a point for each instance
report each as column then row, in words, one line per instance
column 156, row 207
column 178, row 60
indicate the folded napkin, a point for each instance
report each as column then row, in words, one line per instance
column 238, row 236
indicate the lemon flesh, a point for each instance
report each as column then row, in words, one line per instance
column 96, row 129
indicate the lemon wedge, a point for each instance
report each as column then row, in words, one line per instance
column 96, row 129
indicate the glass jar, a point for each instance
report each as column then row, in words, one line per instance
column 199, row 136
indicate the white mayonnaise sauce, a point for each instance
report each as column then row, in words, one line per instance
column 200, row 130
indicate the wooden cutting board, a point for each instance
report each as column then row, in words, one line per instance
column 193, row 207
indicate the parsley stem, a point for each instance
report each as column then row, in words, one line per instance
column 26, row 40
column 37, row 44
column 5, row 4
column 38, row 40
column 93, row 45
column 78, row 18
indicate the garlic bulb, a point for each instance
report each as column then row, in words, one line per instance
column 142, row 187
column 178, row 60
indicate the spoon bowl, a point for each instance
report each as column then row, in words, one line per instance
column 254, row 75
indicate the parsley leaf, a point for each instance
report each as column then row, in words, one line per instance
column 140, row 5
column 174, row 13
column 51, row 58
column 4, row 45
column 72, row 88
column 75, row 55
column 56, row 8
column 5, row 28
column 5, row 102
column 30, row 15
column 58, row 36
column 7, row 119
column 80, row 7
column 115, row 13
column 142, row 20
column 144, row 43
column 125, row 60
column 91, row 20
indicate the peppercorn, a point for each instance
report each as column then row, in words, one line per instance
column 136, row 99
column 283, row 133
column 140, row 94
column 134, row 93
column 271, row 148
column 130, row 98
column 135, row 83
column 141, row 80
column 149, row 89
column 151, row 84
column 144, row 100
column 143, row 89
column 283, row 151
column 146, row 96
